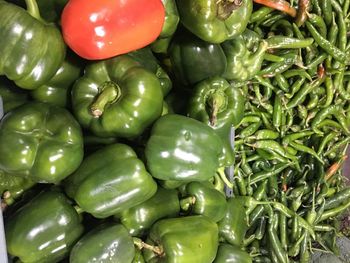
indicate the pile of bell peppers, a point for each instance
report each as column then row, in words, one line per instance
column 173, row 130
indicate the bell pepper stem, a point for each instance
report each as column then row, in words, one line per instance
column 110, row 92
column 142, row 245
column 225, row 8
column 7, row 198
column 33, row 9
column 221, row 172
column 187, row 202
column 216, row 101
column 78, row 209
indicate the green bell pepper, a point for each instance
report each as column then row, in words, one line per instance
column 109, row 181
column 41, row 142
column 57, row 90
column 193, row 59
column 140, row 218
column 117, row 97
column 185, row 239
column 12, row 187
column 183, row 149
column 106, row 243
column 231, row 254
column 146, row 58
column 11, row 95
column 138, row 258
column 215, row 21
column 234, row 225
column 31, row 50
column 161, row 44
column 215, row 102
column 204, row 200
column 242, row 63
column 44, row 229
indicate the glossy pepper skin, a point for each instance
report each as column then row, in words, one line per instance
column 193, row 59
column 216, row 103
column 106, row 243
column 57, row 90
column 139, row 219
column 231, row 254
column 146, row 58
column 32, row 50
column 172, row 19
column 11, row 187
column 242, row 63
column 234, row 225
column 202, row 199
column 184, row 239
column 109, row 181
column 117, row 97
column 11, row 95
column 41, row 142
column 43, row 230
column 215, row 21
column 183, row 149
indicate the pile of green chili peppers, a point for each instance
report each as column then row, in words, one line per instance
column 222, row 141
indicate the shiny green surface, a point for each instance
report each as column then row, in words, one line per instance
column 109, row 181
column 234, row 225
column 146, row 58
column 31, row 51
column 57, row 90
column 183, row 240
column 220, row 106
column 104, row 244
column 137, row 100
column 43, row 230
column 231, row 254
column 242, row 63
column 11, row 95
column 193, row 59
column 214, row 21
column 208, row 201
column 13, row 185
column 161, row 44
column 183, row 149
column 140, row 218
column 41, row 142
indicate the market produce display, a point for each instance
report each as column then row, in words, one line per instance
column 184, row 131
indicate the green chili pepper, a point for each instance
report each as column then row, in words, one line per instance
column 305, row 89
column 276, row 243
column 326, row 8
column 332, row 50
column 264, row 175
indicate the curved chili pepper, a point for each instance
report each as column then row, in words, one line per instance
column 281, row 5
